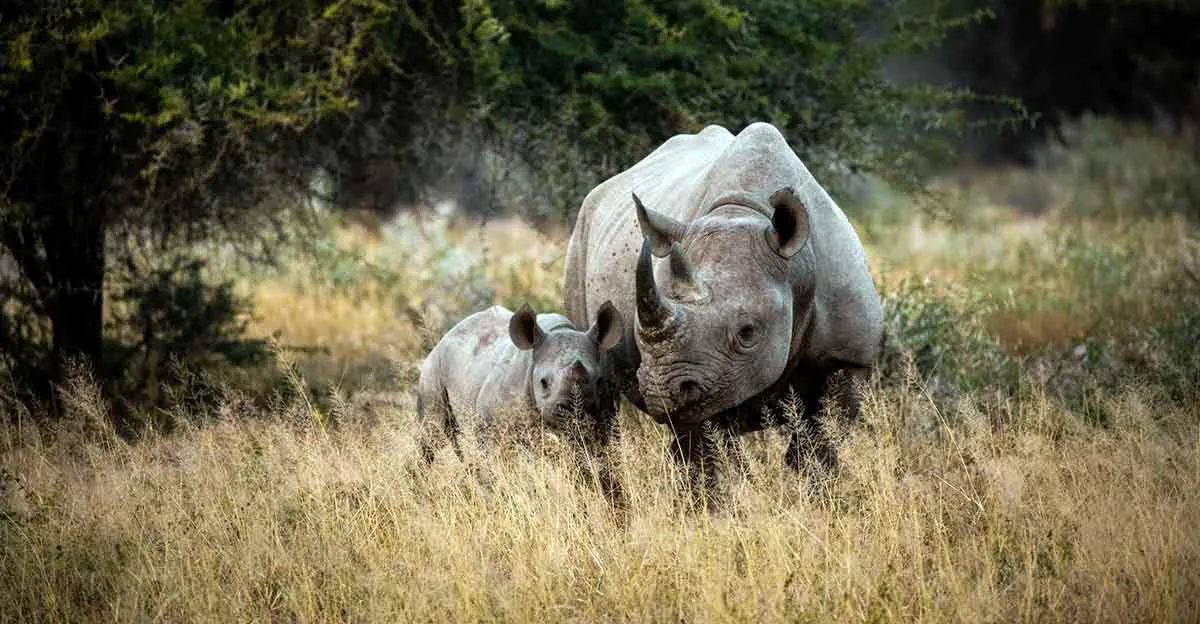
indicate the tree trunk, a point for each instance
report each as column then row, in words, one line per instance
column 75, row 263
column 61, row 255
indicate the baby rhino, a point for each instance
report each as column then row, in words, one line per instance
column 499, row 368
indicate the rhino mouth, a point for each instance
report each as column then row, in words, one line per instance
column 572, row 412
column 680, row 399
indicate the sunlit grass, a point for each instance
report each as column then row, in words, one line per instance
column 1022, row 514
column 1000, row 501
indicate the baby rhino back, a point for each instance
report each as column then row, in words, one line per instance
column 481, row 367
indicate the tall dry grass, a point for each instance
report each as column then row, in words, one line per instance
column 975, row 488
column 1022, row 514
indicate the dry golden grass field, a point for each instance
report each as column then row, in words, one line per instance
column 1029, row 451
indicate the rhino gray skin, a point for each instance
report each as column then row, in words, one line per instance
column 498, row 366
column 745, row 281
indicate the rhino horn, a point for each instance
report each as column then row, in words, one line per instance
column 658, row 228
column 683, row 276
column 652, row 310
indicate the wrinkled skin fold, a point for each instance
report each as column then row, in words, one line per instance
column 742, row 280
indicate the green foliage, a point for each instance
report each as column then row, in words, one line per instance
column 180, row 88
column 943, row 336
column 627, row 76
column 169, row 318
column 180, row 122
column 569, row 92
column 168, row 122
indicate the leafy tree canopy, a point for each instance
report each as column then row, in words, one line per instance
column 161, row 120
column 166, row 123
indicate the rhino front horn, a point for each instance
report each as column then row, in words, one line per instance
column 652, row 310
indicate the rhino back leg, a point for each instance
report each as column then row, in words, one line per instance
column 437, row 423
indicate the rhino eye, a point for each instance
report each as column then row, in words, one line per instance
column 747, row 335
column 545, row 383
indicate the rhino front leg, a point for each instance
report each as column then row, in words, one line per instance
column 696, row 451
column 811, row 451
column 599, row 469
column 811, row 448
column 846, row 388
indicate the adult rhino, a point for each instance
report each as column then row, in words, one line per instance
column 758, row 286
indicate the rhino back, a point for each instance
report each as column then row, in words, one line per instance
column 479, row 366
column 603, row 249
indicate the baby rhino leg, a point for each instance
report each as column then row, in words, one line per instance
column 436, row 421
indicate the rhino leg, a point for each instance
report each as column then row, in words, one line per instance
column 848, row 392
column 811, row 444
column 437, row 424
column 697, row 449
column 811, row 448
column 736, row 453
column 597, row 466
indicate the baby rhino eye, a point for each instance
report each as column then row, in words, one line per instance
column 545, row 383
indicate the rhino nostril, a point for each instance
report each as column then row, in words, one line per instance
column 689, row 391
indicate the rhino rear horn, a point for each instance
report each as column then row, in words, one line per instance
column 683, row 276
column 523, row 329
column 789, row 222
column 658, row 228
column 652, row 310
column 608, row 328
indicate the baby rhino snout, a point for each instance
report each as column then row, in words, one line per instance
column 576, row 409
column 575, row 397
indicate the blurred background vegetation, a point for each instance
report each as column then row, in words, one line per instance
column 194, row 193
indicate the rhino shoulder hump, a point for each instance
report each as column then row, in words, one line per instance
column 764, row 131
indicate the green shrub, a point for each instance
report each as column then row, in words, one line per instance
column 171, row 317
column 943, row 334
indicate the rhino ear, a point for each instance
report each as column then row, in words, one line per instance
column 609, row 327
column 658, row 228
column 789, row 223
column 523, row 329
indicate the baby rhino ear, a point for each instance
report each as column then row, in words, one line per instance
column 523, row 329
column 609, row 327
